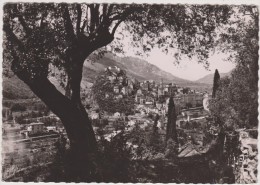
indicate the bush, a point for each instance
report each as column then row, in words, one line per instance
column 115, row 158
column 18, row 107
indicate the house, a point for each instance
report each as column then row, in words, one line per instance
column 6, row 112
column 117, row 115
column 121, row 79
column 172, row 89
column 149, row 100
column 24, row 133
column 51, row 129
column 166, row 90
column 139, row 92
column 124, row 90
column 35, row 128
column 160, row 91
column 142, row 100
column 116, row 89
column 130, row 85
column 180, row 90
column 112, row 78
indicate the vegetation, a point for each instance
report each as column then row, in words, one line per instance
column 215, row 83
column 235, row 103
column 18, row 107
column 171, row 131
column 67, row 34
column 110, row 101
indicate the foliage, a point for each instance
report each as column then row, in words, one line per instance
column 171, row 149
column 115, row 158
column 67, row 34
column 171, row 131
column 18, row 107
column 188, row 105
column 215, row 83
column 61, row 30
column 108, row 100
column 57, row 169
column 236, row 101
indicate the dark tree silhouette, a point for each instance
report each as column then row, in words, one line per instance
column 106, row 98
column 215, row 83
column 171, row 131
column 45, row 39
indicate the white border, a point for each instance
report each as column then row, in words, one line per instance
column 228, row 2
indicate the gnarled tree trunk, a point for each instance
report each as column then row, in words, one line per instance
column 76, row 122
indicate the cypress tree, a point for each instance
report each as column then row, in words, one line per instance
column 215, row 83
column 171, row 131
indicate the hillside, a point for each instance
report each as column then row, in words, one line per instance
column 208, row 79
column 135, row 67
column 13, row 88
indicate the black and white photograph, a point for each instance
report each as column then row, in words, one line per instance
column 130, row 91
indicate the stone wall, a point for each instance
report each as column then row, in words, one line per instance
column 246, row 166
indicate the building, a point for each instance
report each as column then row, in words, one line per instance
column 139, row 92
column 36, row 128
column 116, row 89
column 6, row 113
column 124, row 90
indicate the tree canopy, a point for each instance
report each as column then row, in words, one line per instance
column 109, row 100
column 215, row 83
column 66, row 31
column 236, row 100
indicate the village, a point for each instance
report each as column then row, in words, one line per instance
column 194, row 125
column 150, row 99
column 130, row 93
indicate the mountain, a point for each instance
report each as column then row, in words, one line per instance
column 13, row 88
column 134, row 67
column 208, row 79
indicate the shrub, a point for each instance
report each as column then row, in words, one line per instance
column 18, row 107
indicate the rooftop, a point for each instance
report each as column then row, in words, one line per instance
column 39, row 123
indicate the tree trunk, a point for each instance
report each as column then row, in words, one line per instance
column 77, row 124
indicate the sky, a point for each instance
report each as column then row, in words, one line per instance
column 187, row 69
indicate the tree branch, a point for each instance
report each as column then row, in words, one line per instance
column 78, row 18
column 92, row 20
column 24, row 25
column 116, row 26
column 121, row 18
column 12, row 37
column 21, row 20
column 104, row 10
column 110, row 9
column 42, row 18
column 85, row 23
column 97, row 15
column 68, row 24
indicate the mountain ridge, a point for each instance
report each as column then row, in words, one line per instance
column 208, row 79
column 135, row 68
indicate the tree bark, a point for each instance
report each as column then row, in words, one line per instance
column 76, row 122
column 75, row 119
